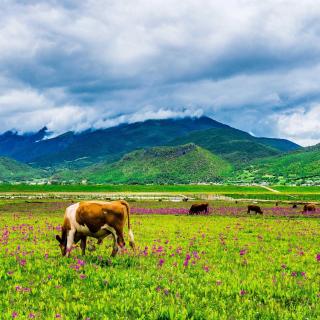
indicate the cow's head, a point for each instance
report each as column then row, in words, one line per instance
column 62, row 243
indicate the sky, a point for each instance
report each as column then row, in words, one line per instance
column 74, row 65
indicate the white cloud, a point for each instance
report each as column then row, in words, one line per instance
column 301, row 124
column 94, row 63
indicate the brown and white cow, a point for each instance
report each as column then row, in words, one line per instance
column 96, row 219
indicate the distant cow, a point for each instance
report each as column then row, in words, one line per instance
column 254, row 208
column 96, row 219
column 294, row 206
column 309, row 207
column 199, row 208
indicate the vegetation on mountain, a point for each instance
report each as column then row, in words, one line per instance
column 299, row 167
column 76, row 150
column 181, row 164
column 233, row 145
column 14, row 171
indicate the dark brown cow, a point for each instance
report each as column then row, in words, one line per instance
column 309, row 207
column 255, row 208
column 294, row 206
column 199, row 208
column 96, row 219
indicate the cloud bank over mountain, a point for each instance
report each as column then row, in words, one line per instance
column 70, row 65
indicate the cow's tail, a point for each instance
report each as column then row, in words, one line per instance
column 130, row 233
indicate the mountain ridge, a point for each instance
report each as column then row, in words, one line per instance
column 110, row 144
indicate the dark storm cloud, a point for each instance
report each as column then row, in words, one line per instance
column 79, row 64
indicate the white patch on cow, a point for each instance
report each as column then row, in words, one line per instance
column 71, row 214
column 70, row 240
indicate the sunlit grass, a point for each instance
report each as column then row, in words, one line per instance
column 199, row 267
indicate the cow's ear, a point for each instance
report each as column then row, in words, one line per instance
column 58, row 238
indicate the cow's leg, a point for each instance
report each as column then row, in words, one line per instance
column 70, row 240
column 115, row 245
column 83, row 245
column 115, row 238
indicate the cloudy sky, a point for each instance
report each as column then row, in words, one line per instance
column 72, row 64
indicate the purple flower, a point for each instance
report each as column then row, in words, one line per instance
column 206, row 268
column 294, row 274
column 161, row 262
column 166, row 291
column 80, row 262
column 32, row 315
column 318, row 257
column 186, row 261
column 58, row 316
column 14, row 314
column 243, row 252
column 283, row 266
column 23, row 262
column 82, row 276
column 242, row 292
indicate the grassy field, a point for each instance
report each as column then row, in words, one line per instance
column 133, row 188
column 73, row 192
column 227, row 265
column 219, row 189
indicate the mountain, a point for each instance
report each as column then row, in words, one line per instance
column 14, row 171
column 301, row 166
column 76, row 150
column 179, row 164
column 234, row 145
column 11, row 143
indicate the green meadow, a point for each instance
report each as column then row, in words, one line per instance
column 227, row 265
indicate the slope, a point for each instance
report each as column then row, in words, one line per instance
column 14, row 171
column 181, row 164
column 233, row 145
column 301, row 166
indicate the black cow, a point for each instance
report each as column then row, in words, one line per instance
column 199, row 208
column 254, row 208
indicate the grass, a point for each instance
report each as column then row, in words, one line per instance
column 219, row 189
column 202, row 267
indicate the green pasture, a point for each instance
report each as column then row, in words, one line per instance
column 186, row 267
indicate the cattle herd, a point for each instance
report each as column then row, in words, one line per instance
column 98, row 219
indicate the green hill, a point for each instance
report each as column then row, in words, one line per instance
column 233, row 145
column 179, row 164
column 14, row 171
column 301, row 166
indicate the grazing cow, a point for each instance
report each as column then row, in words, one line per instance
column 309, row 207
column 96, row 219
column 198, row 208
column 294, row 206
column 254, row 208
